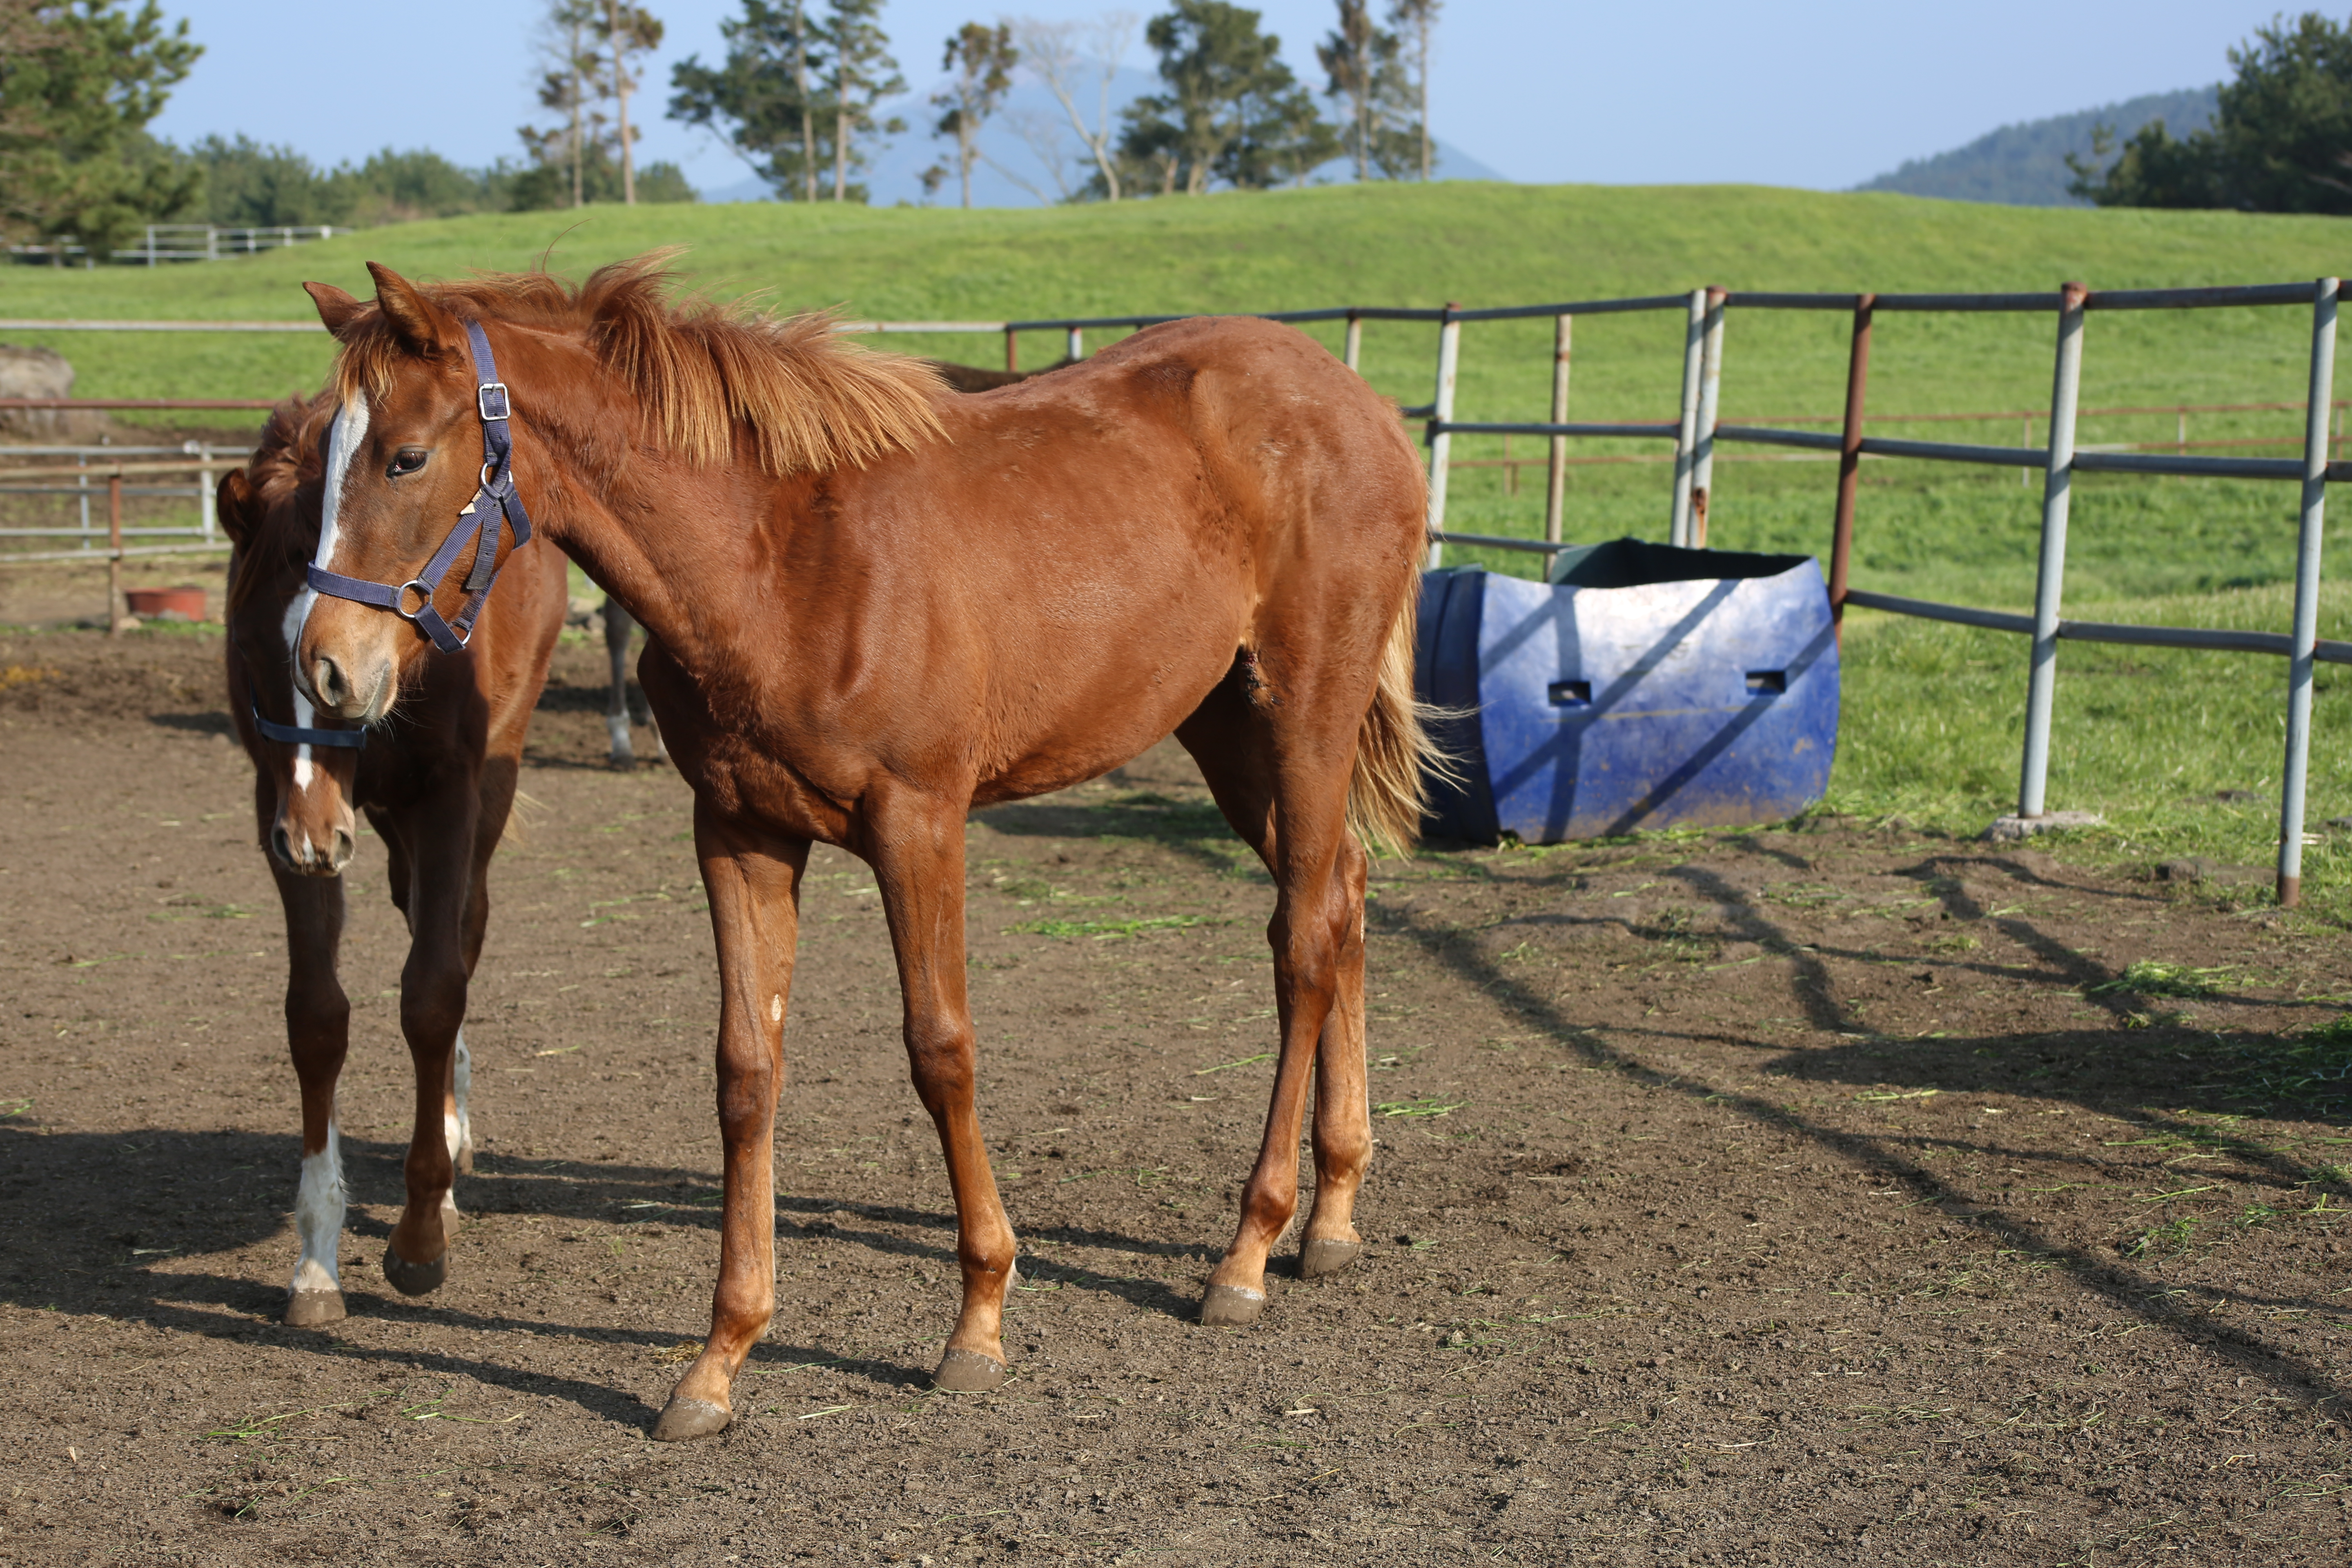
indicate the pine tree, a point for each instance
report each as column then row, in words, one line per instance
column 77, row 92
column 764, row 95
column 1233, row 111
column 861, row 74
column 983, row 59
column 1415, row 22
column 1364, row 66
column 626, row 30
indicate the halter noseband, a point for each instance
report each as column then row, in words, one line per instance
column 495, row 493
column 296, row 735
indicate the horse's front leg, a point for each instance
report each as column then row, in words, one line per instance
column 439, row 835
column 753, row 880
column 916, row 846
column 618, row 628
column 317, row 1033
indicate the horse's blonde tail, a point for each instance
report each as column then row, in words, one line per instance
column 1389, row 794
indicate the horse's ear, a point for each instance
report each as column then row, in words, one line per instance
column 231, row 502
column 336, row 309
column 415, row 319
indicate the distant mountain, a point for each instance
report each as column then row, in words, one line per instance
column 1017, row 170
column 2025, row 166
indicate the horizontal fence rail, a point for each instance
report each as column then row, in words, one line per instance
column 100, row 471
column 1695, row 432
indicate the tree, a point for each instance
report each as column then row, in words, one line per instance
column 1363, row 65
column 77, row 92
column 1233, row 112
column 625, row 30
column 1060, row 55
column 982, row 60
column 860, row 74
column 1415, row 22
column 2282, row 141
column 568, row 86
column 761, row 93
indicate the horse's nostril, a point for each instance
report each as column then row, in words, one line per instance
column 327, row 678
column 280, row 847
column 342, row 855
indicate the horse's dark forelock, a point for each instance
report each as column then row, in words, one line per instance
column 283, row 477
column 701, row 372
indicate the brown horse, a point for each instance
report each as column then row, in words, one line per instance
column 876, row 606
column 618, row 627
column 436, row 779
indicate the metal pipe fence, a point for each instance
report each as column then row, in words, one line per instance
column 102, row 470
column 1696, row 432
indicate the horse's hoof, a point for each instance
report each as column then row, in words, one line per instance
column 1230, row 1306
column 308, row 1309
column 414, row 1278
column 682, row 1419
column 968, row 1372
column 1317, row 1259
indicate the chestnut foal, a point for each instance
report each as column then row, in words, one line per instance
column 876, row 606
column 435, row 779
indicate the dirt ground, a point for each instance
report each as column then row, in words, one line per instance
column 1791, row 1197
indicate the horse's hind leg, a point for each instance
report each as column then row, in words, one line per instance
column 1288, row 802
column 317, row 1033
column 618, row 628
column 1343, row 1117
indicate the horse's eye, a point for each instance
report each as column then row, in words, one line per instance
column 407, row 460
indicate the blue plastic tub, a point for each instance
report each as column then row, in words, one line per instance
column 1645, row 687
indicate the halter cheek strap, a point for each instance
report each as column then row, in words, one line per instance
column 494, row 495
column 296, row 735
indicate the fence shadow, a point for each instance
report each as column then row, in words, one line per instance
column 1957, row 1064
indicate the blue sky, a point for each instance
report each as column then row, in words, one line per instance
column 1823, row 94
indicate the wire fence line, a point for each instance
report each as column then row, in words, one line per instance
column 1694, row 435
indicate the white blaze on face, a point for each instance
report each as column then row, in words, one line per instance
column 344, row 439
column 319, row 1216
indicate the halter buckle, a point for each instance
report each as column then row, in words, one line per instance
column 400, row 596
column 491, row 400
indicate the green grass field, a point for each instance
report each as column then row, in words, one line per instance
column 1932, row 712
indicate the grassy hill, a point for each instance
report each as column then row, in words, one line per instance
column 1933, row 715
column 1479, row 244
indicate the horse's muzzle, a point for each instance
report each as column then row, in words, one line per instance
column 302, row 855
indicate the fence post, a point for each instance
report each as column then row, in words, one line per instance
column 1012, row 350
column 114, row 553
column 2050, row 576
column 1857, row 393
column 2306, row 594
column 1075, row 347
column 1441, row 440
column 1686, row 431
column 151, row 245
column 1556, row 490
column 1710, row 390
column 207, row 504
column 212, row 243
column 1353, row 355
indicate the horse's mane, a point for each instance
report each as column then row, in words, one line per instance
column 290, row 456
column 700, row 371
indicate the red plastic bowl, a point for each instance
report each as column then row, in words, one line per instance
column 188, row 602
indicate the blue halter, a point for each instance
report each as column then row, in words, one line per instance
column 495, row 493
column 296, row 735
